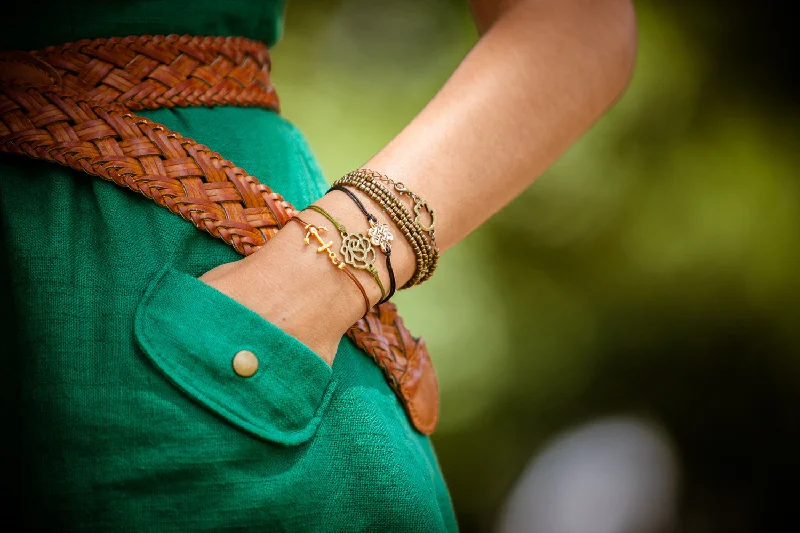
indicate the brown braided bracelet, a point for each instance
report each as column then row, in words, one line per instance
column 312, row 230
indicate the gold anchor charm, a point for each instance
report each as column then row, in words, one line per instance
column 324, row 247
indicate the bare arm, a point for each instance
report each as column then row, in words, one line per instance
column 542, row 72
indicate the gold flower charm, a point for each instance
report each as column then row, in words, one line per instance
column 381, row 236
column 357, row 251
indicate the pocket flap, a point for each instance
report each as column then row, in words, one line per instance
column 192, row 332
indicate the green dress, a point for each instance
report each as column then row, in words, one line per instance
column 120, row 406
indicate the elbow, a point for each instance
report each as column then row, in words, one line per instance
column 620, row 43
column 596, row 38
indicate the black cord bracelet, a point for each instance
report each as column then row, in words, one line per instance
column 373, row 222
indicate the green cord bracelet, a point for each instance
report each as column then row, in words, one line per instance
column 380, row 235
column 356, row 248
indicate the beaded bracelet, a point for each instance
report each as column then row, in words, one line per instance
column 356, row 248
column 419, row 203
column 312, row 230
column 399, row 217
column 426, row 255
column 380, row 235
column 425, row 252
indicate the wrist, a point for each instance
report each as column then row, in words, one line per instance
column 349, row 215
column 297, row 290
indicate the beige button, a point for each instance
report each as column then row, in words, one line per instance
column 245, row 363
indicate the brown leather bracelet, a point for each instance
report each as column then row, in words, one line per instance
column 306, row 226
column 385, row 245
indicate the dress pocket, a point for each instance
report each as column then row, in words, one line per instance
column 192, row 333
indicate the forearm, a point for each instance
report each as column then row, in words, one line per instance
column 539, row 76
column 542, row 72
column 535, row 81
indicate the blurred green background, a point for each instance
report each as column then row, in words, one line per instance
column 651, row 272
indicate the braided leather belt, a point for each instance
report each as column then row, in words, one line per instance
column 71, row 104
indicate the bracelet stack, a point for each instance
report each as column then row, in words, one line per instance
column 421, row 237
column 359, row 250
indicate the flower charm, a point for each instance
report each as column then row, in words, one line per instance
column 381, row 236
column 357, row 251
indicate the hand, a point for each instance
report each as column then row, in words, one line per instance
column 298, row 290
column 294, row 289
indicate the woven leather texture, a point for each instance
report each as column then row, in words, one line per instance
column 79, row 120
column 149, row 72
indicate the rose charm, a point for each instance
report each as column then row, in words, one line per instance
column 381, row 236
column 357, row 251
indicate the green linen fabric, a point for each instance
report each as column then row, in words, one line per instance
column 121, row 410
column 29, row 25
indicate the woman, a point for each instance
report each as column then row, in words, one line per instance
column 122, row 317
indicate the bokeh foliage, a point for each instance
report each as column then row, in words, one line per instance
column 652, row 270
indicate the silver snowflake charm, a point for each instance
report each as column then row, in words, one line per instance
column 380, row 235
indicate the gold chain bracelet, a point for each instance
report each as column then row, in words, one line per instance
column 419, row 203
